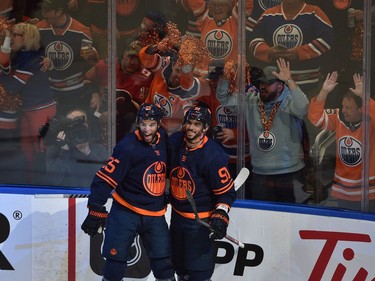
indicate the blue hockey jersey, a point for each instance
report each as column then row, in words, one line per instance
column 203, row 171
column 135, row 174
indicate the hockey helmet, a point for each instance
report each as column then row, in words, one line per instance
column 150, row 111
column 199, row 113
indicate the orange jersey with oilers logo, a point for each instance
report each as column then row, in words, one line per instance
column 175, row 101
column 347, row 182
column 221, row 41
column 220, row 37
column 135, row 175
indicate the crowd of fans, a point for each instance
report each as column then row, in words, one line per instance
column 54, row 96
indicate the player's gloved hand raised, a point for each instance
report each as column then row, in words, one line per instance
column 95, row 220
column 219, row 221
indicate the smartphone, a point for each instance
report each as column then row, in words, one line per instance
column 216, row 130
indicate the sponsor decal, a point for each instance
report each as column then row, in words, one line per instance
column 332, row 239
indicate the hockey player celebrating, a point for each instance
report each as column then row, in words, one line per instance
column 197, row 164
column 135, row 176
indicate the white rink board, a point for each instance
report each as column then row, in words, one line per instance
column 278, row 245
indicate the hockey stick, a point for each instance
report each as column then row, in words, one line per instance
column 241, row 178
column 202, row 222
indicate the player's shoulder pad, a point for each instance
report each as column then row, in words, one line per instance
column 215, row 151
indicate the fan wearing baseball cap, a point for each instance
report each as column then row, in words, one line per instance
column 54, row 5
column 274, row 121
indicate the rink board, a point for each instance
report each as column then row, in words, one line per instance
column 41, row 239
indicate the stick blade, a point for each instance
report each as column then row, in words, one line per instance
column 241, row 178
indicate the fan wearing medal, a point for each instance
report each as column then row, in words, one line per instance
column 274, row 117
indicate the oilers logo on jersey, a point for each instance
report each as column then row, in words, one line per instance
column 60, row 53
column 350, row 151
column 165, row 104
column 288, row 35
column 219, row 43
column 154, row 178
column 266, row 141
column 180, row 181
column 227, row 115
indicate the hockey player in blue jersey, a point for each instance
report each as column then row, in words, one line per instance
column 199, row 164
column 135, row 176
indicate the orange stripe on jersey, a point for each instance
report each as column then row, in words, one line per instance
column 319, row 44
column 224, row 189
column 352, row 195
column 202, row 215
column 97, row 30
column 8, row 125
column 311, row 9
column 107, row 179
column 306, row 52
column 76, row 26
column 353, row 192
column 140, row 211
column 138, row 134
column 205, row 139
column 22, row 76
